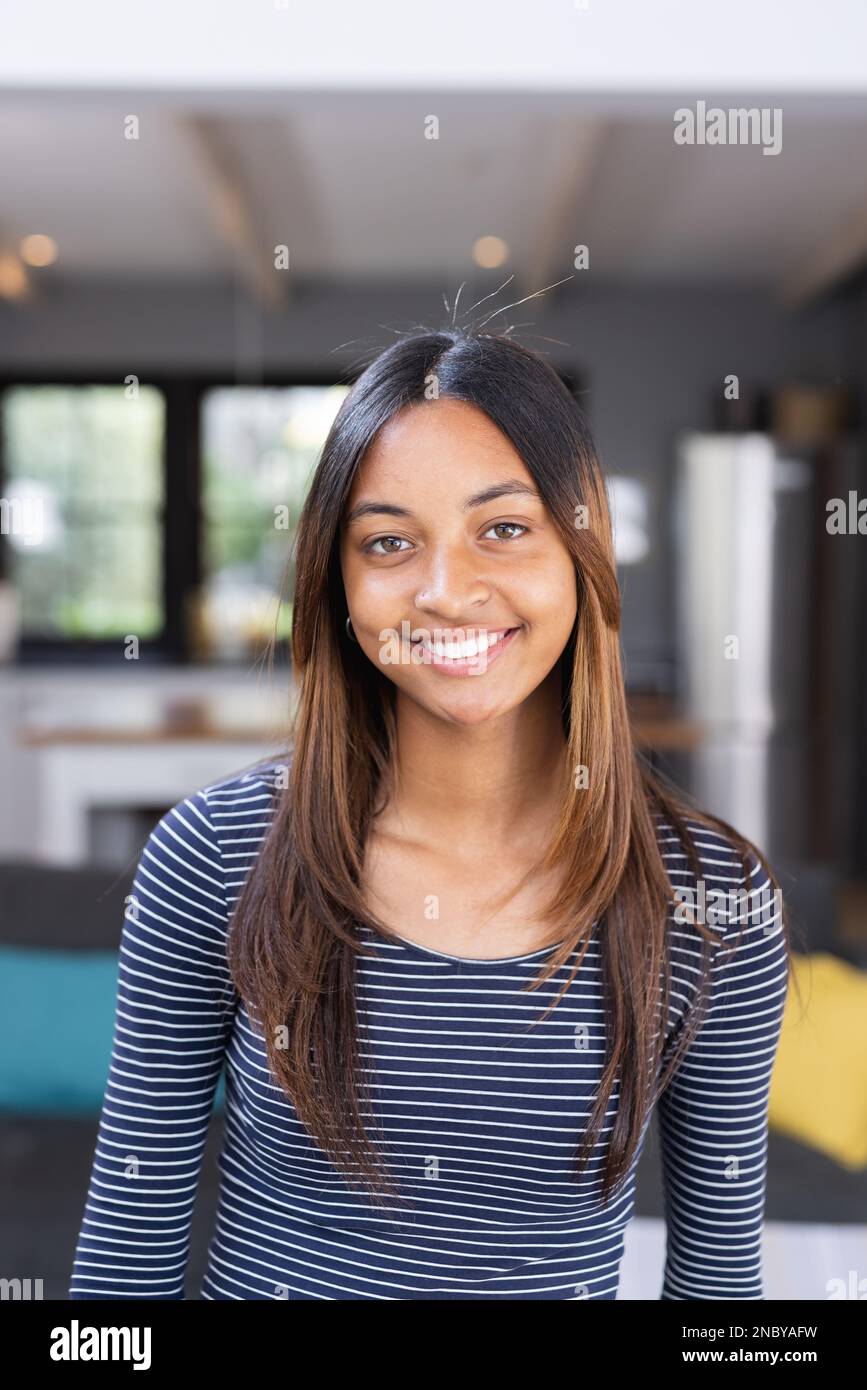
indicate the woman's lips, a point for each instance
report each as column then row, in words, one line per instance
column 467, row 665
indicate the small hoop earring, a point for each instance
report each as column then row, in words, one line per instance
column 350, row 634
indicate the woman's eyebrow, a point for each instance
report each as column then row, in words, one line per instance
column 370, row 508
column 513, row 487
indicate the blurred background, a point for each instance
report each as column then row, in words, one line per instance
column 210, row 217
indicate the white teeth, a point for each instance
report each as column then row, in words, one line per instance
column 460, row 651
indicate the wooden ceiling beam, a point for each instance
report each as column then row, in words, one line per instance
column 232, row 208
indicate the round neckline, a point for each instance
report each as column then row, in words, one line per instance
column 469, row 960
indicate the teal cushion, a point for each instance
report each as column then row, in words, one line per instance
column 56, row 1027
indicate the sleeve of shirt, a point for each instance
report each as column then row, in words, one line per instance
column 713, row 1117
column 173, row 1014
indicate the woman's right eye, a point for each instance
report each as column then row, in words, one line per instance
column 380, row 540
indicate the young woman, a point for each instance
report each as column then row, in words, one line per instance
column 458, row 942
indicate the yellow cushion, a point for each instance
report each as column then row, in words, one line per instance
column 819, row 1082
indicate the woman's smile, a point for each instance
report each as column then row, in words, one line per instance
column 463, row 651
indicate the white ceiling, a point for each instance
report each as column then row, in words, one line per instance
column 463, row 45
column 354, row 189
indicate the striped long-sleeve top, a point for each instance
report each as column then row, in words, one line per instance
column 482, row 1113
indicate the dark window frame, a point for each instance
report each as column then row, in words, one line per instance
column 182, row 513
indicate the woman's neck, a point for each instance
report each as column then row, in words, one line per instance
column 467, row 788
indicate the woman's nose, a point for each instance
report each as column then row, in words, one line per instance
column 452, row 582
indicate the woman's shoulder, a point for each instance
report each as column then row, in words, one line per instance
column 729, row 894
column 248, row 788
column 716, row 882
column 206, row 842
column 240, row 806
column 717, row 855
column 189, row 874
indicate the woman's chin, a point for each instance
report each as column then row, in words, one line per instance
column 467, row 708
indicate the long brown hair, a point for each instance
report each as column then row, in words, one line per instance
column 294, row 944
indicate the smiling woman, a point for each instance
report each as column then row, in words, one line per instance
column 437, row 943
column 446, row 472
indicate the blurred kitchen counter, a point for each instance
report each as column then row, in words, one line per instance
column 245, row 716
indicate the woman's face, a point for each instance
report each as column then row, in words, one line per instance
column 464, row 599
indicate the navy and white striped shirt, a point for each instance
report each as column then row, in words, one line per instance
column 481, row 1113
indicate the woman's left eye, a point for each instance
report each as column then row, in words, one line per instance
column 515, row 526
column 380, row 540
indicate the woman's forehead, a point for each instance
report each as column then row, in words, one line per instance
column 438, row 438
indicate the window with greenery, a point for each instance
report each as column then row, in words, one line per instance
column 259, row 449
column 168, row 512
column 83, row 491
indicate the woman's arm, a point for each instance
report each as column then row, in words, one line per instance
column 174, row 1011
column 713, row 1116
